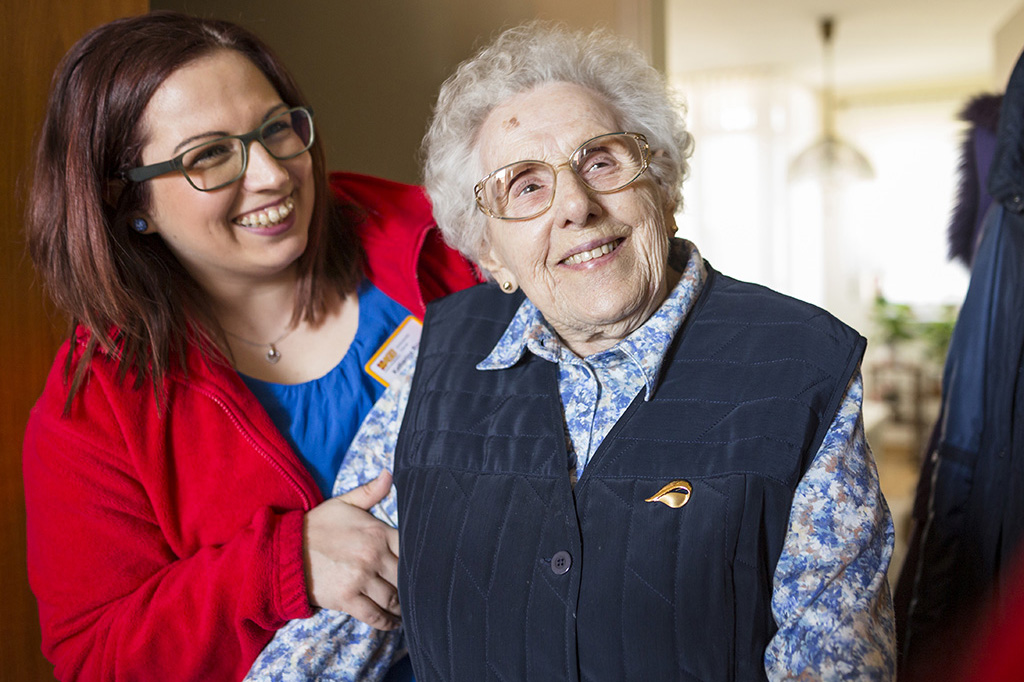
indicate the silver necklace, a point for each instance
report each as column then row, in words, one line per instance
column 273, row 355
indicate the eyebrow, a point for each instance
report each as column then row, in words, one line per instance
column 214, row 134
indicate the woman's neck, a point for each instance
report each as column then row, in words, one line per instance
column 259, row 313
column 264, row 342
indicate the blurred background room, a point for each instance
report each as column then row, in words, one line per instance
column 828, row 145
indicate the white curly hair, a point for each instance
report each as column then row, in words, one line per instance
column 521, row 59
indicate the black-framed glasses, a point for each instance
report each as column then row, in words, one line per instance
column 219, row 162
column 525, row 189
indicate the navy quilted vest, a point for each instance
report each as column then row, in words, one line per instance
column 507, row 573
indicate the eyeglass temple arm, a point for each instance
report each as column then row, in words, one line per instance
column 143, row 173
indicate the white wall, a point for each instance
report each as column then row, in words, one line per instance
column 1009, row 40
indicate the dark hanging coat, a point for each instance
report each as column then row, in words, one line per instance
column 973, row 521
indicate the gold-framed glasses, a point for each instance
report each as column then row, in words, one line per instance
column 219, row 162
column 525, row 189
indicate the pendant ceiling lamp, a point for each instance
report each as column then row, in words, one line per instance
column 830, row 156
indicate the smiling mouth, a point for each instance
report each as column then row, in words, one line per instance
column 268, row 216
column 584, row 256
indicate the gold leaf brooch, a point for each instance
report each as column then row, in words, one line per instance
column 675, row 494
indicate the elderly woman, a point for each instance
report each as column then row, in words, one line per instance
column 617, row 463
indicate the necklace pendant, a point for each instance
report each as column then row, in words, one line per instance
column 273, row 354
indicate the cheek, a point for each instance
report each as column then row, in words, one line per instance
column 166, row 203
column 533, row 261
column 653, row 223
column 303, row 170
column 176, row 209
column 514, row 248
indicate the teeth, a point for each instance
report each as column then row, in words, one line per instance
column 270, row 216
column 583, row 257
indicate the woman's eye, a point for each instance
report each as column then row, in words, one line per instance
column 526, row 185
column 524, row 188
column 209, row 155
column 276, row 128
column 596, row 163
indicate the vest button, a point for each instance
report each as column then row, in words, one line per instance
column 561, row 562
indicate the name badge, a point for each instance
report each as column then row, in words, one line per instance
column 396, row 357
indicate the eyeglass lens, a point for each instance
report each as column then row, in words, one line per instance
column 526, row 188
column 222, row 161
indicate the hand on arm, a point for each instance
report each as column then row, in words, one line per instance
column 352, row 558
column 332, row 644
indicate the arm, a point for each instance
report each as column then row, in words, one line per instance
column 116, row 600
column 831, row 596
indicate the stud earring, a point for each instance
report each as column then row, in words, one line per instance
column 507, row 287
column 140, row 225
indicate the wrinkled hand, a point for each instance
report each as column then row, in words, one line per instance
column 352, row 558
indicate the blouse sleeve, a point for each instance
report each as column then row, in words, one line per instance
column 831, row 597
column 373, row 448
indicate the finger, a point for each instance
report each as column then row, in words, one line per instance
column 368, row 611
column 385, row 596
column 392, row 539
column 389, row 561
column 370, row 493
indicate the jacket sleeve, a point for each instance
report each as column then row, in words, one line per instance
column 119, row 598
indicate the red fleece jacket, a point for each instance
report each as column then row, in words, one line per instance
column 165, row 542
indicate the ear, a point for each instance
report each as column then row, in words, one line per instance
column 490, row 262
column 670, row 220
column 487, row 258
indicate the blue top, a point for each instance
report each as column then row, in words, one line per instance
column 319, row 418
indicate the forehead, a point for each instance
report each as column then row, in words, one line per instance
column 544, row 123
column 218, row 92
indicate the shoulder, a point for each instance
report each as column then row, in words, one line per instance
column 756, row 305
column 103, row 405
column 405, row 255
column 473, row 320
column 483, row 301
column 105, row 389
column 733, row 291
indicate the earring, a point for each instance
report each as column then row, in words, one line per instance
column 507, row 287
column 140, row 225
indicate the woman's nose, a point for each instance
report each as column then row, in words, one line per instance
column 574, row 203
column 263, row 170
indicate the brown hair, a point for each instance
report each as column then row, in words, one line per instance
column 99, row 271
